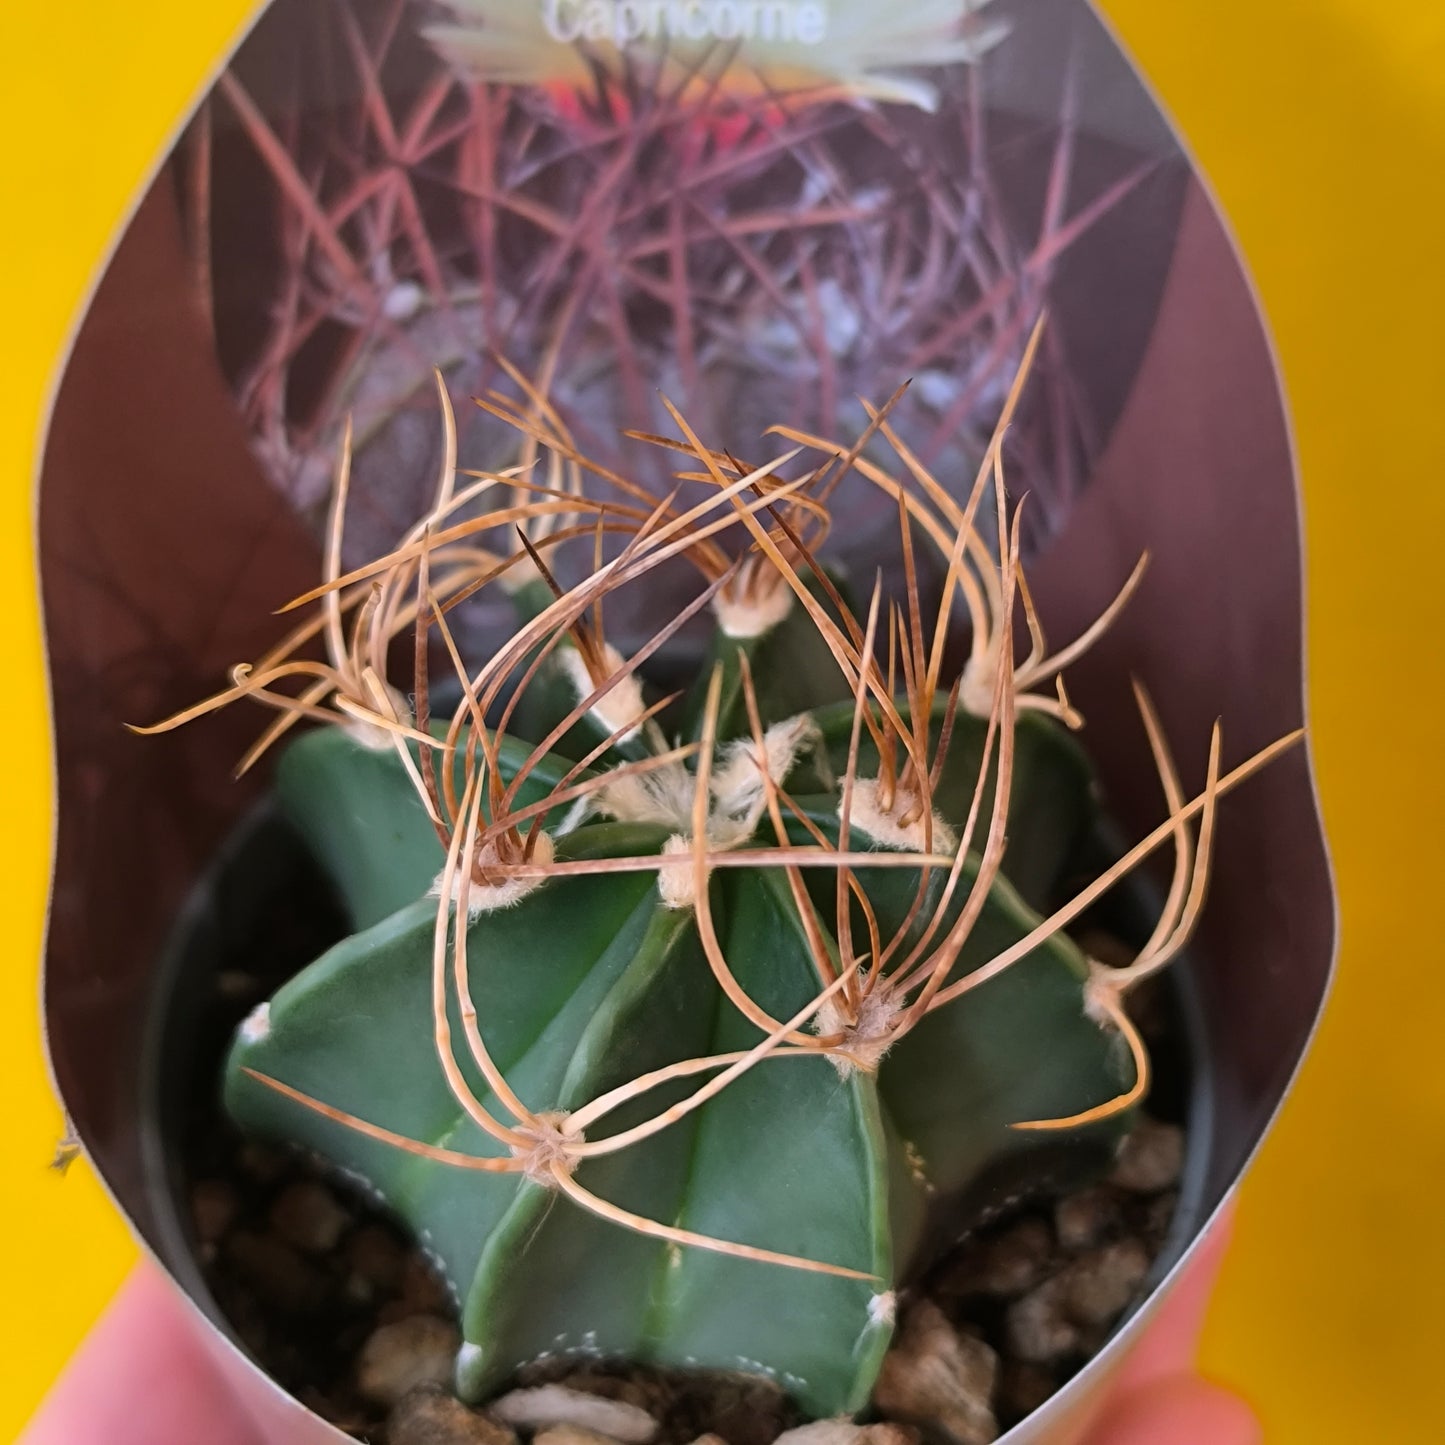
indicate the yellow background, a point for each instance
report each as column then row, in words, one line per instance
column 1321, row 124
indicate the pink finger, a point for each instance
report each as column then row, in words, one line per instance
column 140, row 1378
column 1171, row 1338
column 1184, row 1410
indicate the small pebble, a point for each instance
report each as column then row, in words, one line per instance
column 422, row 1289
column 1097, row 1286
column 429, row 1415
column 750, row 1412
column 399, row 1357
column 1038, row 1327
column 308, row 1216
column 571, row 1435
column 1087, row 1217
column 281, row 1277
column 375, row 1261
column 349, row 1415
column 1159, row 1215
column 940, row 1379
column 263, row 1162
column 846, row 1432
column 1005, row 1265
column 549, row 1405
column 213, row 1209
column 642, row 1389
column 1150, row 1158
column 1023, row 1387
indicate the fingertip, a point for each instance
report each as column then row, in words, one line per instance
column 1183, row 1410
column 139, row 1378
column 1170, row 1339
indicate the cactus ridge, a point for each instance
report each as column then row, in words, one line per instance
column 653, row 1024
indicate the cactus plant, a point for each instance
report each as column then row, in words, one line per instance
column 667, row 1029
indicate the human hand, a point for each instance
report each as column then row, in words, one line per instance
column 1159, row 1398
column 141, row 1378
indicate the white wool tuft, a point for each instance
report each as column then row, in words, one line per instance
column 739, row 799
column 490, row 897
column 662, row 796
column 257, row 1024
column 620, row 710
column 739, row 787
column 976, row 690
column 753, row 616
column 866, row 1039
column 372, row 736
column 867, row 816
column 676, row 879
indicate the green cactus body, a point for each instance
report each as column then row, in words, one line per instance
column 1051, row 801
column 357, row 811
column 692, row 1054
column 592, row 980
column 793, row 668
column 621, row 991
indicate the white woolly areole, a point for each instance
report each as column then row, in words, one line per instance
column 489, row 897
column 739, row 783
column 257, row 1024
column 865, row 1039
column 372, row 736
column 620, row 710
column 676, row 882
column 573, row 818
column 867, row 816
column 739, row 798
column 745, row 617
column 975, row 691
column 549, row 1144
column 1102, row 993
column 664, row 796
column 882, row 1308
